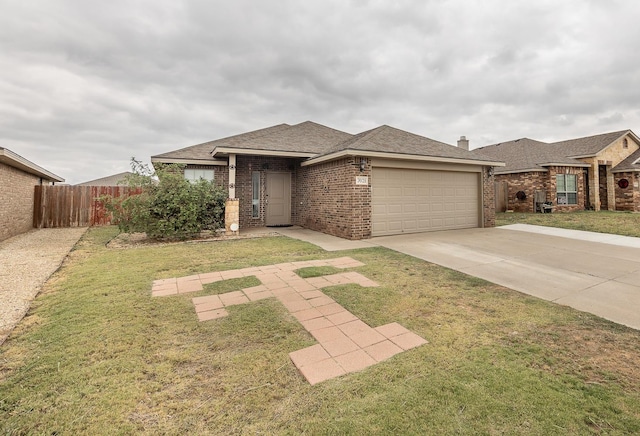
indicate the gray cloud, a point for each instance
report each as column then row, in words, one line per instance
column 87, row 85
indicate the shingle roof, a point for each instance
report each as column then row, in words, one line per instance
column 386, row 139
column 589, row 145
column 203, row 151
column 112, row 180
column 306, row 137
column 631, row 163
column 526, row 155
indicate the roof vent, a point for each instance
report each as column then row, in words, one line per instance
column 463, row 143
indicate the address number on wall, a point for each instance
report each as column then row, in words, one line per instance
column 362, row 180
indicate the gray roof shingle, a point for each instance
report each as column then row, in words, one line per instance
column 589, row 145
column 631, row 163
column 113, row 180
column 526, row 155
column 386, row 139
column 203, row 151
column 306, row 137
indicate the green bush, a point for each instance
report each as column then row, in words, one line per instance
column 169, row 206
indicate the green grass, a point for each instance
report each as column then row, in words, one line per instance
column 316, row 271
column 97, row 355
column 618, row 223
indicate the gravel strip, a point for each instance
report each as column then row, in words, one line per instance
column 26, row 263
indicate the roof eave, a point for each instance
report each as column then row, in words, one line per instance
column 257, row 152
column 15, row 160
column 381, row 154
column 524, row 170
column 626, row 170
column 168, row 160
column 558, row 164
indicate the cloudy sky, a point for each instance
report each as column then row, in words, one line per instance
column 85, row 85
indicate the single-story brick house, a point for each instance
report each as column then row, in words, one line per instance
column 600, row 172
column 18, row 176
column 380, row 182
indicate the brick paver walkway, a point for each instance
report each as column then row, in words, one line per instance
column 345, row 343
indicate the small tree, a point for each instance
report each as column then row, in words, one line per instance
column 169, row 206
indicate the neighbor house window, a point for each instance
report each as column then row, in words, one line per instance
column 567, row 189
column 255, row 194
column 193, row 175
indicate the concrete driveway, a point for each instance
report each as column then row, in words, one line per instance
column 588, row 271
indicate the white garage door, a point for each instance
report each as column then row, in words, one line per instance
column 409, row 201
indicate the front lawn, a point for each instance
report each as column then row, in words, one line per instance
column 619, row 223
column 98, row 355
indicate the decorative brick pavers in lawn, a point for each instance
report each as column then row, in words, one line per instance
column 345, row 343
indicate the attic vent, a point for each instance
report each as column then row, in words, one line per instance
column 625, row 143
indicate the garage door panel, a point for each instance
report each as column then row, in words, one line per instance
column 405, row 201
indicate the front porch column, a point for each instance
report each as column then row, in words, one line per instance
column 232, row 216
column 232, row 206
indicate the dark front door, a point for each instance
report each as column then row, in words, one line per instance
column 278, row 199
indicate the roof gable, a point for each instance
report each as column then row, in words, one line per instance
column 307, row 137
column 631, row 163
column 387, row 139
column 589, row 145
column 203, row 151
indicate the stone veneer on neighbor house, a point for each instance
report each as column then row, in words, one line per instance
column 609, row 157
column 627, row 199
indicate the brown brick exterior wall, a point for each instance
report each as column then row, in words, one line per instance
column 246, row 165
column 331, row 202
column 628, row 199
column 324, row 197
column 532, row 181
column 16, row 205
column 552, row 185
column 488, row 199
column 528, row 183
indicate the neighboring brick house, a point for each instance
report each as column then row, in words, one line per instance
column 18, row 176
column 600, row 172
column 380, row 182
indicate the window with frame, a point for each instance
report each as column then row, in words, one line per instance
column 193, row 175
column 566, row 189
column 255, row 194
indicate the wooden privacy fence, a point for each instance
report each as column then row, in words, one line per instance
column 74, row 206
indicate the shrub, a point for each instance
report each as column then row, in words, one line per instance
column 169, row 206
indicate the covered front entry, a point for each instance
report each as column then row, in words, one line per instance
column 414, row 200
column 278, row 199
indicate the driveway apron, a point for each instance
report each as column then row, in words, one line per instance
column 588, row 271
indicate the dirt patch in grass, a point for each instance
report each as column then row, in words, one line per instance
column 136, row 240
